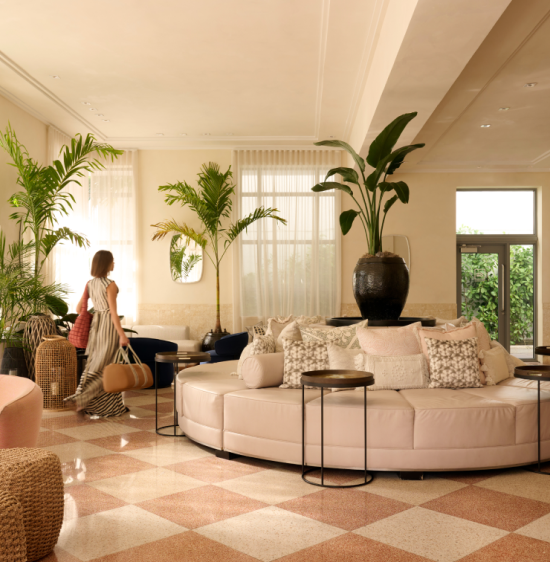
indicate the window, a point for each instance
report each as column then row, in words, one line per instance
column 496, row 265
column 292, row 269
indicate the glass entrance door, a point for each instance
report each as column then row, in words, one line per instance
column 481, row 287
column 496, row 284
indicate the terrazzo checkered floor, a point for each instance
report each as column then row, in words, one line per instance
column 133, row 496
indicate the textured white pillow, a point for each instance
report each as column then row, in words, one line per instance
column 247, row 352
column 341, row 358
column 274, row 329
column 344, row 336
column 300, row 357
column 511, row 361
column 308, row 320
column 457, row 322
column 493, row 363
column 395, row 373
column 390, row 342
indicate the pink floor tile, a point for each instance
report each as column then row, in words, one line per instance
column 49, row 438
column 98, row 468
column 201, row 506
column 488, row 507
column 512, row 548
column 147, row 423
column 186, row 547
column 469, row 476
column 346, row 509
column 64, row 422
column 162, row 408
column 130, row 441
column 85, row 500
column 352, row 548
column 212, row 469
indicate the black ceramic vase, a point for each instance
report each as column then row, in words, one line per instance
column 211, row 338
column 381, row 287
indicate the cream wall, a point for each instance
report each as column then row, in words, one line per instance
column 429, row 222
column 33, row 134
column 160, row 300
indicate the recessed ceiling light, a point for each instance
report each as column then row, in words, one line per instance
column 160, row 134
column 100, row 115
column 106, row 120
column 86, row 103
column 55, row 77
column 331, row 136
column 486, row 126
column 530, row 84
column 206, row 134
column 183, row 134
column 93, row 109
column 229, row 134
column 503, row 108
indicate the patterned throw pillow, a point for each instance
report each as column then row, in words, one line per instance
column 301, row 357
column 256, row 330
column 395, row 373
column 345, row 336
column 307, row 320
column 453, row 363
column 263, row 344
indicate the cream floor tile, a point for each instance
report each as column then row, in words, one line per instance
column 94, row 431
column 539, row 529
column 78, row 450
column 136, row 413
column 170, row 453
column 415, row 492
column 54, row 414
column 437, row 536
column 143, row 400
column 112, row 531
column 270, row 486
column 43, row 429
column 521, row 483
column 269, row 533
column 146, row 484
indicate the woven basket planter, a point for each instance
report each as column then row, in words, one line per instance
column 56, row 371
column 33, row 477
column 13, row 544
column 37, row 327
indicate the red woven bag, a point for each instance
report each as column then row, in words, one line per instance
column 78, row 336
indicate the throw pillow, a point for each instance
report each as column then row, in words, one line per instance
column 493, row 364
column 274, row 329
column 290, row 332
column 300, row 357
column 247, row 352
column 483, row 337
column 388, row 342
column 307, row 320
column 465, row 333
column 395, row 373
column 341, row 358
column 345, row 336
column 263, row 344
column 256, row 330
column 456, row 322
column 511, row 361
column 453, row 363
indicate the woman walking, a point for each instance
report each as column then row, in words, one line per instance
column 106, row 335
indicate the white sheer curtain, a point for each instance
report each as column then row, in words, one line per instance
column 104, row 212
column 292, row 269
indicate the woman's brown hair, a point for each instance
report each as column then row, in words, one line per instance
column 101, row 264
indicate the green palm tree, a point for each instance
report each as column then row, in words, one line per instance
column 212, row 204
column 42, row 199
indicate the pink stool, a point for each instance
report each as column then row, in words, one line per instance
column 20, row 412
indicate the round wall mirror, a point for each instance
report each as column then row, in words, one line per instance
column 185, row 260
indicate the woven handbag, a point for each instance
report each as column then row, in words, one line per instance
column 78, row 336
column 124, row 375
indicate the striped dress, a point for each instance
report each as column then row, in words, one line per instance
column 103, row 344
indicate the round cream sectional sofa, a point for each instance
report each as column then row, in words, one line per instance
column 408, row 430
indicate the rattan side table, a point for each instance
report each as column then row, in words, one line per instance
column 326, row 379
column 540, row 374
column 174, row 357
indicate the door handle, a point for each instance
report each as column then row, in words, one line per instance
column 501, row 288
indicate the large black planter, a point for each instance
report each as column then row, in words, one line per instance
column 14, row 358
column 381, row 287
column 211, row 338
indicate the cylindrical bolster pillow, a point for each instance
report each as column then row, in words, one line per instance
column 262, row 371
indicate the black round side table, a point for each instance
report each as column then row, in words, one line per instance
column 540, row 374
column 174, row 357
column 326, row 379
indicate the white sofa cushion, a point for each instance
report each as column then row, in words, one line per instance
column 168, row 333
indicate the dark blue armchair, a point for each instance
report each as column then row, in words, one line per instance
column 146, row 349
column 229, row 347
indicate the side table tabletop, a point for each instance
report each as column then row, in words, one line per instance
column 540, row 374
column 327, row 379
column 174, row 357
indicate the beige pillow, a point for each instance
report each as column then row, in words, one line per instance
column 457, row 322
column 344, row 336
column 511, row 361
column 308, row 320
column 483, row 337
column 395, row 373
column 263, row 344
column 274, row 329
column 263, row 371
column 247, row 352
column 494, row 366
column 390, row 342
column 341, row 358
column 290, row 332
column 300, row 357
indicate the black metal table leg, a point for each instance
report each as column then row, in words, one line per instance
column 174, row 427
column 538, row 469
